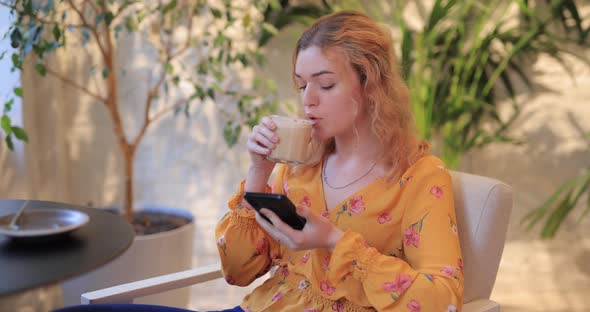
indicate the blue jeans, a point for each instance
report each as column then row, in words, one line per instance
column 130, row 308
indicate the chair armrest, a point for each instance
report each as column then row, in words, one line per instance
column 125, row 293
column 481, row 305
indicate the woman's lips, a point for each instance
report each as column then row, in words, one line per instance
column 313, row 118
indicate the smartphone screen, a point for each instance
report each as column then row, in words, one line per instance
column 279, row 204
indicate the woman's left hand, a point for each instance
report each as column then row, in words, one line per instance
column 318, row 231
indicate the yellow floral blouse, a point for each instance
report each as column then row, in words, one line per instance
column 399, row 252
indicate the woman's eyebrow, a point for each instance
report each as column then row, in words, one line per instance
column 322, row 72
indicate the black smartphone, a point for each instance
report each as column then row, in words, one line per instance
column 279, row 204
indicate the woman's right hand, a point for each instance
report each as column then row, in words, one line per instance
column 261, row 142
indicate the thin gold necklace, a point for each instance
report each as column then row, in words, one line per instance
column 325, row 177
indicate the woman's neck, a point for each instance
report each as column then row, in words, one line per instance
column 360, row 146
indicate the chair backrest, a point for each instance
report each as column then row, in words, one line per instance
column 483, row 207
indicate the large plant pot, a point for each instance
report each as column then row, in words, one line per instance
column 149, row 256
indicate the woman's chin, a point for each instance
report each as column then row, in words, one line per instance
column 318, row 135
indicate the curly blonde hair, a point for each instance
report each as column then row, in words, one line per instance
column 369, row 49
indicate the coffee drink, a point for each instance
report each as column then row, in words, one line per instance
column 294, row 140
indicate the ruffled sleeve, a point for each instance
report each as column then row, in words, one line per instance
column 429, row 277
column 245, row 249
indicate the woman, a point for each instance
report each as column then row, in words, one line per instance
column 381, row 228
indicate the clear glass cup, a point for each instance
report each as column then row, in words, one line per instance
column 294, row 146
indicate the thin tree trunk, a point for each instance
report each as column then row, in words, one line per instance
column 129, row 156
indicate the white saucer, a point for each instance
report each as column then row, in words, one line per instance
column 43, row 222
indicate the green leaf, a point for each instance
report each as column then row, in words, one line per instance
column 16, row 61
column 85, row 36
column 168, row 7
column 246, row 20
column 105, row 72
column 211, row 93
column 169, row 68
column 275, row 5
column 18, row 91
column 243, row 59
column 216, row 13
column 99, row 19
column 219, row 40
column 8, row 141
column 130, row 24
column 108, row 18
column 56, row 33
column 231, row 134
column 203, row 68
column 270, row 28
column 271, row 85
column 15, row 38
column 199, row 91
column 8, row 106
column 2, row 55
column 6, row 124
column 20, row 134
column 41, row 69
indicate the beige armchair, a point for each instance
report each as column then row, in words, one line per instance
column 483, row 208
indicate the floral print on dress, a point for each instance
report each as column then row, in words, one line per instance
column 397, row 287
column 383, row 218
column 338, row 306
column 428, row 276
column 450, row 271
column 305, row 201
column 327, row 288
column 453, row 225
column 303, row 284
column 222, row 244
column 437, row 191
column 277, row 296
column 305, row 257
column 355, row 206
column 414, row 306
column 284, row 273
column 412, row 233
column 405, row 180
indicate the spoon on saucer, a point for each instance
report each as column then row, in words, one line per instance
column 13, row 223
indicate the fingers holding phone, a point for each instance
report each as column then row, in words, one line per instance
column 298, row 228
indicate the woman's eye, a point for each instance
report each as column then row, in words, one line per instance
column 328, row 87
column 302, row 87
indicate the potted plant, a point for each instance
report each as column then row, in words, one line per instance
column 462, row 59
column 201, row 61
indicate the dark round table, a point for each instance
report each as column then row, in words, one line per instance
column 26, row 265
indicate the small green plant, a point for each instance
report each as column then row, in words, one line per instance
column 561, row 204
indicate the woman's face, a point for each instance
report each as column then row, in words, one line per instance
column 330, row 91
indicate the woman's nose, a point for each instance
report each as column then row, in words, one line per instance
column 309, row 97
